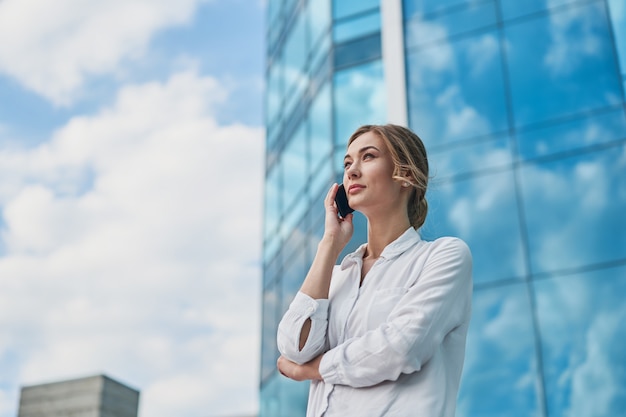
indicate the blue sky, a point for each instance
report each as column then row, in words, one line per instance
column 131, row 158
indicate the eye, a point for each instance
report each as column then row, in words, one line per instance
column 346, row 164
column 368, row 156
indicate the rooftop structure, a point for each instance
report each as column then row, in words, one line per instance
column 95, row 396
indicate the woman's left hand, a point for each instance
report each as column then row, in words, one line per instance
column 306, row 371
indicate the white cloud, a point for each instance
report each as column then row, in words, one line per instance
column 563, row 56
column 460, row 216
column 6, row 403
column 461, row 119
column 582, row 320
column 423, row 31
column 597, row 377
column 436, row 58
column 132, row 247
column 482, row 50
column 512, row 319
column 579, row 198
column 365, row 88
column 53, row 47
column 448, row 113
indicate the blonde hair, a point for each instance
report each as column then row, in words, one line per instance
column 410, row 164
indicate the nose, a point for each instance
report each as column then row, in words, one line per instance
column 352, row 171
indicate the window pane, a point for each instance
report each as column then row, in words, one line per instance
column 274, row 27
column 273, row 8
column 344, row 8
column 483, row 212
column 271, row 268
column 562, row 64
column 499, row 375
column 360, row 98
column 272, row 203
column 274, row 94
column 362, row 25
column 295, row 167
column 321, row 181
column 618, row 18
column 289, row 6
column 316, row 218
column 293, row 397
column 269, row 349
column 271, row 247
column 412, row 7
column 293, row 217
column 320, row 127
column 583, row 323
column 295, row 60
column 575, row 208
column 319, row 19
column 269, row 399
column 294, row 271
column 357, row 52
column 320, row 61
column 517, row 8
column 470, row 157
column 572, row 134
column 456, row 90
column 420, row 30
column 295, row 244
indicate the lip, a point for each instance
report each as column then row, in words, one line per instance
column 355, row 187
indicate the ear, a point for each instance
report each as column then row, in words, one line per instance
column 408, row 177
column 406, row 181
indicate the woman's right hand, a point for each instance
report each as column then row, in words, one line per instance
column 337, row 231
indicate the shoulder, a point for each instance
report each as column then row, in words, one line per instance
column 451, row 243
column 450, row 249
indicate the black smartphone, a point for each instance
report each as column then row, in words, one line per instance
column 342, row 202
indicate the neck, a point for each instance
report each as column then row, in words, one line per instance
column 382, row 231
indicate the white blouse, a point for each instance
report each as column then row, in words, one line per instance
column 395, row 345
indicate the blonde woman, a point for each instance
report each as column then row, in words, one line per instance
column 382, row 333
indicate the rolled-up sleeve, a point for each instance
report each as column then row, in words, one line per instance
column 437, row 303
column 303, row 307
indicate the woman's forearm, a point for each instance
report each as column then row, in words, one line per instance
column 304, row 372
column 337, row 234
column 317, row 282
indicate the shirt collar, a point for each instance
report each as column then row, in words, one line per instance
column 406, row 240
column 396, row 248
column 354, row 257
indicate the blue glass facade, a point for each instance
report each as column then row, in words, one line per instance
column 522, row 107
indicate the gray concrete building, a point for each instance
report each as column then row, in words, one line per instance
column 95, row 396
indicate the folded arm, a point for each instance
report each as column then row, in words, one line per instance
column 437, row 303
column 303, row 309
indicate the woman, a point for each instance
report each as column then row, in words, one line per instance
column 383, row 333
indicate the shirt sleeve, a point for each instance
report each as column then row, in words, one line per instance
column 437, row 303
column 303, row 307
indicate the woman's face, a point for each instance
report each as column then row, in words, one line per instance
column 368, row 172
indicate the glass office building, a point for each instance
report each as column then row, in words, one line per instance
column 521, row 105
